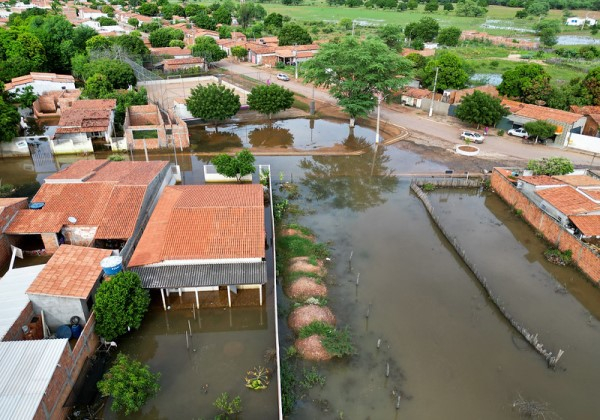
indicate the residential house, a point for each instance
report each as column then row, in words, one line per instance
column 174, row 52
column 578, row 21
column 144, row 128
column 179, row 64
column 565, row 122
column 592, row 125
column 204, row 238
column 413, row 96
column 86, row 122
column 297, row 53
column 456, row 96
column 41, row 82
column 227, row 44
column 259, row 53
column 8, row 208
column 90, row 203
column 92, row 14
column 51, row 104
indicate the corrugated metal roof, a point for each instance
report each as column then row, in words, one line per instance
column 202, row 275
column 26, row 368
column 13, row 298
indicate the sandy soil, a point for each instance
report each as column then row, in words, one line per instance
column 292, row 232
column 305, row 287
column 303, row 264
column 311, row 348
column 305, row 315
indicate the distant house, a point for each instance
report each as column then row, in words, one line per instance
column 41, row 82
column 577, row 21
column 144, row 127
column 206, row 239
column 413, row 96
column 86, row 122
column 592, row 125
column 456, row 96
column 90, row 203
column 87, row 13
column 174, row 52
column 178, row 64
column 565, row 122
column 258, row 53
column 290, row 54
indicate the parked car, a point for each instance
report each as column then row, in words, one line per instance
column 518, row 132
column 471, row 136
column 282, row 76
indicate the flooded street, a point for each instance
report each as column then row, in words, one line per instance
column 450, row 352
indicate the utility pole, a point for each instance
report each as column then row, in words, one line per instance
column 379, row 98
column 353, row 23
column 296, row 63
column 434, row 87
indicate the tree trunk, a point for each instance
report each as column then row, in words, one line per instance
column 352, row 121
column 216, row 127
column 270, row 115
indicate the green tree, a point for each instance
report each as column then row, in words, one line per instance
column 355, row 71
column 591, row 83
column 9, row 118
column 412, row 4
column 56, row 35
column 470, row 8
column 249, row 12
column 453, row 72
column 419, row 62
column 540, row 129
column 222, row 15
column 551, row 166
column 204, row 21
column 565, row 95
column 97, row 86
column 161, row 37
column 270, row 99
column 214, row 103
column 98, row 43
column 206, row 47
column 228, row 407
column 548, row 30
column 425, row 29
column 132, row 45
column 345, row 23
column 391, row 35
column 537, row 8
column 291, row 34
column 239, row 52
column 481, row 109
column 25, row 98
column 526, row 82
column 275, row 20
column 148, row 9
column 118, row 73
column 130, row 384
column 80, row 36
column 120, row 305
column 106, row 21
column 448, row 7
column 237, row 166
column 133, row 22
column 449, row 36
column 432, row 6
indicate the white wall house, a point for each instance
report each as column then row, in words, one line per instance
column 41, row 82
column 577, row 21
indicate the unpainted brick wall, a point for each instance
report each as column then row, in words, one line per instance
column 583, row 256
column 5, row 218
column 15, row 333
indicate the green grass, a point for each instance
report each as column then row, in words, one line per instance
column 297, row 246
column 303, row 229
column 338, row 343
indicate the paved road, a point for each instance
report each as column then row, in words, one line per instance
column 418, row 123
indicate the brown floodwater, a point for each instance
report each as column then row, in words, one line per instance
column 450, row 352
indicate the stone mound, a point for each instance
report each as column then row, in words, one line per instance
column 310, row 348
column 305, row 287
column 303, row 264
column 305, row 315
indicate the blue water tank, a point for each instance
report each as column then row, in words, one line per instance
column 36, row 205
column 76, row 330
column 64, row 331
column 112, row 265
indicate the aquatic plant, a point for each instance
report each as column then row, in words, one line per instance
column 258, row 378
column 233, row 406
column 311, row 378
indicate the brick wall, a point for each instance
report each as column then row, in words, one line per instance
column 583, row 256
column 5, row 217
column 15, row 333
column 79, row 235
column 50, row 243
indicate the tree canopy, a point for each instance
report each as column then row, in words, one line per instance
column 425, row 29
column 540, row 129
column 470, row 8
column 548, row 30
column 161, row 37
column 214, row 103
column 551, row 166
column 355, row 71
column 129, row 383
column 449, row 36
column 591, row 82
column 206, row 47
column 481, row 109
column 291, row 34
column 526, row 82
column 120, row 305
column 237, row 166
column 9, row 118
column 270, row 99
column 118, row 73
column 391, row 35
column 453, row 72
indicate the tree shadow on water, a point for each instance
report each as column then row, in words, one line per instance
column 353, row 182
column 271, row 136
column 211, row 141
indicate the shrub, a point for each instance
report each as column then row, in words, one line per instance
column 228, row 407
column 551, row 166
column 556, row 256
column 338, row 343
column 311, row 378
column 500, row 132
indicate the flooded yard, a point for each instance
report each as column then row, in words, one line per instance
column 450, row 352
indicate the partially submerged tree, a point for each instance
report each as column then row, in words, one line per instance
column 540, row 129
column 214, row 103
column 130, row 384
column 9, row 118
column 551, row 166
column 237, row 166
column 481, row 109
column 120, row 305
column 357, row 71
column 270, row 99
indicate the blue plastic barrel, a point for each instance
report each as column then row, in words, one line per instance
column 76, row 330
column 112, row 265
column 64, row 331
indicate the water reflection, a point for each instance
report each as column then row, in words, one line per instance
column 271, row 136
column 209, row 140
column 353, row 182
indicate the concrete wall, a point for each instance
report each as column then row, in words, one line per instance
column 17, row 147
column 69, row 144
column 585, row 143
column 79, row 235
column 58, row 310
column 439, row 108
column 5, row 217
column 583, row 256
column 41, row 86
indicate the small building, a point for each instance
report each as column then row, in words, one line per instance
column 90, row 203
column 51, row 104
column 174, row 52
column 257, row 52
column 297, row 53
column 592, row 124
column 414, row 96
column 587, row 228
column 65, row 286
column 8, row 208
column 145, row 128
column 87, row 122
column 41, row 82
column 204, row 238
column 578, row 21
column 563, row 202
column 179, row 64
column 565, row 122
column 532, row 183
column 456, row 96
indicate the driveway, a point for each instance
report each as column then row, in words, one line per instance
column 437, row 130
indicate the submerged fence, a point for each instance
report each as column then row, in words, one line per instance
column 532, row 339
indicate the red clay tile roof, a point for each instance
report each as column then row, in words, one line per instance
column 588, row 225
column 128, row 173
column 95, row 104
column 83, row 120
column 568, row 200
column 593, row 193
column 204, row 222
column 6, row 202
column 120, row 216
column 170, row 51
column 416, row 92
column 71, row 272
column 35, row 221
column 540, row 112
column 182, row 61
column 541, row 180
column 579, row 180
column 80, row 169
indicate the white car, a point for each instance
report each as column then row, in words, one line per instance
column 518, row 132
column 284, row 77
column 472, row 136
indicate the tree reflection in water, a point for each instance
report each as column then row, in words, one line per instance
column 271, row 136
column 354, row 182
column 211, row 141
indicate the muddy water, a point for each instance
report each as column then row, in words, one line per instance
column 451, row 354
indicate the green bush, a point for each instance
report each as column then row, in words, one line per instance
column 311, row 378
column 336, row 342
column 500, row 132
